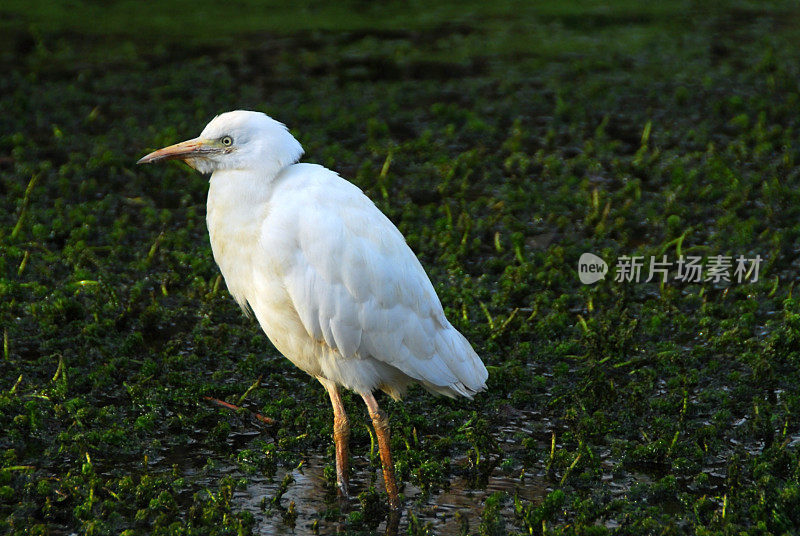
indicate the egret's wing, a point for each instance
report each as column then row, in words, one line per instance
column 357, row 286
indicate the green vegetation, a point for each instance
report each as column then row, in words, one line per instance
column 504, row 140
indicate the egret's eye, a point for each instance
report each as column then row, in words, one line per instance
column 227, row 141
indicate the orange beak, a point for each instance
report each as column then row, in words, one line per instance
column 196, row 148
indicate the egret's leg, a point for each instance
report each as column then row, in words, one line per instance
column 381, row 424
column 341, row 436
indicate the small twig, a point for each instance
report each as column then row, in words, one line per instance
column 215, row 288
column 24, row 208
column 250, row 389
column 372, row 443
column 18, row 468
column 488, row 315
column 16, row 384
column 217, row 401
column 382, row 176
column 154, row 247
column 24, row 262
column 570, row 468
column 60, row 369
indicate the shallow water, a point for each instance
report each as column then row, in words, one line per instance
column 455, row 510
column 307, row 492
column 446, row 512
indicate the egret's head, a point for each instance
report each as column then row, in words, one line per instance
column 235, row 140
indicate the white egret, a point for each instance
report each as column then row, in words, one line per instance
column 329, row 278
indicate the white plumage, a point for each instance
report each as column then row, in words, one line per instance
column 330, row 279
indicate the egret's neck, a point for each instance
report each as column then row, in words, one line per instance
column 231, row 190
column 238, row 202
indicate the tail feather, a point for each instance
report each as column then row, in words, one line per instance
column 461, row 360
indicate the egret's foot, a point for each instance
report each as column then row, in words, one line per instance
column 381, row 424
column 342, row 486
column 343, row 501
column 392, row 523
column 341, row 438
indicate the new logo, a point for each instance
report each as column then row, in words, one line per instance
column 591, row 268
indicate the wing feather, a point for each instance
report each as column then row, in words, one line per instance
column 358, row 287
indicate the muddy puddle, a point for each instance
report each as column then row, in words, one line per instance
column 446, row 512
column 456, row 510
column 305, row 504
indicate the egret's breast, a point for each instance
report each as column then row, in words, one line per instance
column 253, row 263
column 231, row 249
